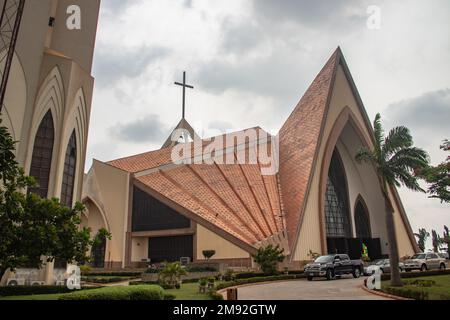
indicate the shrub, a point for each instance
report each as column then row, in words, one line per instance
column 229, row 275
column 139, row 292
column 200, row 268
column 420, row 283
column 169, row 296
column 208, row 253
column 268, row 258
column 29, row 290
column 215, row 296
column 407, row 293
column 98, row 279
column 85, row 268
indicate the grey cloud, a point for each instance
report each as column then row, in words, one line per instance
column 115, row 6
column 430, row 111
column 146, row 129
column 112, row 65
column 318, row 13
column 427, row 116
column 239, row 37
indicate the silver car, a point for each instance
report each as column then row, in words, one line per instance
column 425, row 261
column 382, row 266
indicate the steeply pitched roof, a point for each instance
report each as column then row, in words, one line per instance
column 186, row 127
column 299, row 141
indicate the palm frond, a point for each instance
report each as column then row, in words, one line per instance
column 397, row 139
column 408, row 180
column 379, row 133
column 365, row 155
column 412, row 158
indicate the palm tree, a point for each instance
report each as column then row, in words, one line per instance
column 422, row 237
column 396, row 161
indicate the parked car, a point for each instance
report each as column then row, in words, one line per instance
column 443, row 255
column 425, row 261
column 332, row 266
column 383, row 266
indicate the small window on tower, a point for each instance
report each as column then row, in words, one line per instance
column 51, row 21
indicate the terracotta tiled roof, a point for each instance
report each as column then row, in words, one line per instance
column 236, row 198
column 299, row 140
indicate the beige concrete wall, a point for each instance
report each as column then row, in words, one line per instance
column 108, row 187
column 139, row 249
column 208, row 240
column 309, row 237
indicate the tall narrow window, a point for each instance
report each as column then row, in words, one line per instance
column 41, row 161
column 362, row 223
column 336, row 203
column 68, row 181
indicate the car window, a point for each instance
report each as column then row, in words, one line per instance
column 344, row 257
column 418, row 256
column 432, row 256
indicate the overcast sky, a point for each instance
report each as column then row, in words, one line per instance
column 250, row 61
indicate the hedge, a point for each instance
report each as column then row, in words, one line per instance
column 98, row 279
column 142, row 292
column 30, row 290
column 252, row 274
column 112, row 273
column 407, row 275
column 239, row 282
column 406, row 293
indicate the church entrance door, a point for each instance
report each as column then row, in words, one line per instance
column 170, row 249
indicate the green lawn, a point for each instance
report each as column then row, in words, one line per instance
column 439, row 291
column 188, row 291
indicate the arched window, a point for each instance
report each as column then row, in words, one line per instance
column 70, row 163
column 362, row 222
column 41, row 161
column 336, row 203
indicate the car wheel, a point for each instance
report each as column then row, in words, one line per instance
column 330, row 274
column 309, row 278
column 442, row 266
column 356, row 273
column 423, row 268
column 13, row 283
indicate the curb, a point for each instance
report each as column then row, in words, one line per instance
column 382, row 294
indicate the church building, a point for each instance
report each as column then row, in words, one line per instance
column 49, row 93
column 319, row 199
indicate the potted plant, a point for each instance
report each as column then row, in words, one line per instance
column 202, row 285
column 211, row 283
column 207, row 254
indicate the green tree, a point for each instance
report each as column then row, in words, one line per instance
column 268, row 258
column 422, row 237
column 395, row 160
column 438, row 177
column 447, row 239
column 32, row 227
column 436, row 240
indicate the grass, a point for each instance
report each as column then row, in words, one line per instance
column 188, row 291
column 439, row 291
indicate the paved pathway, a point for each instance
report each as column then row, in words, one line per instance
column 346, row 288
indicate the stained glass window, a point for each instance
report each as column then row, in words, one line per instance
column 42, row 155
column 69, row 172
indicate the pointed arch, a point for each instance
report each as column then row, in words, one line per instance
column 42, row 155
column 69, row 173
column 362, row 219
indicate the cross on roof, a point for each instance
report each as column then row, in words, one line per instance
column 184, row 85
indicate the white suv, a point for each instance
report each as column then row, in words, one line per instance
column 424, row 262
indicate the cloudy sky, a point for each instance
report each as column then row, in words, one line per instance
column 250, row 62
